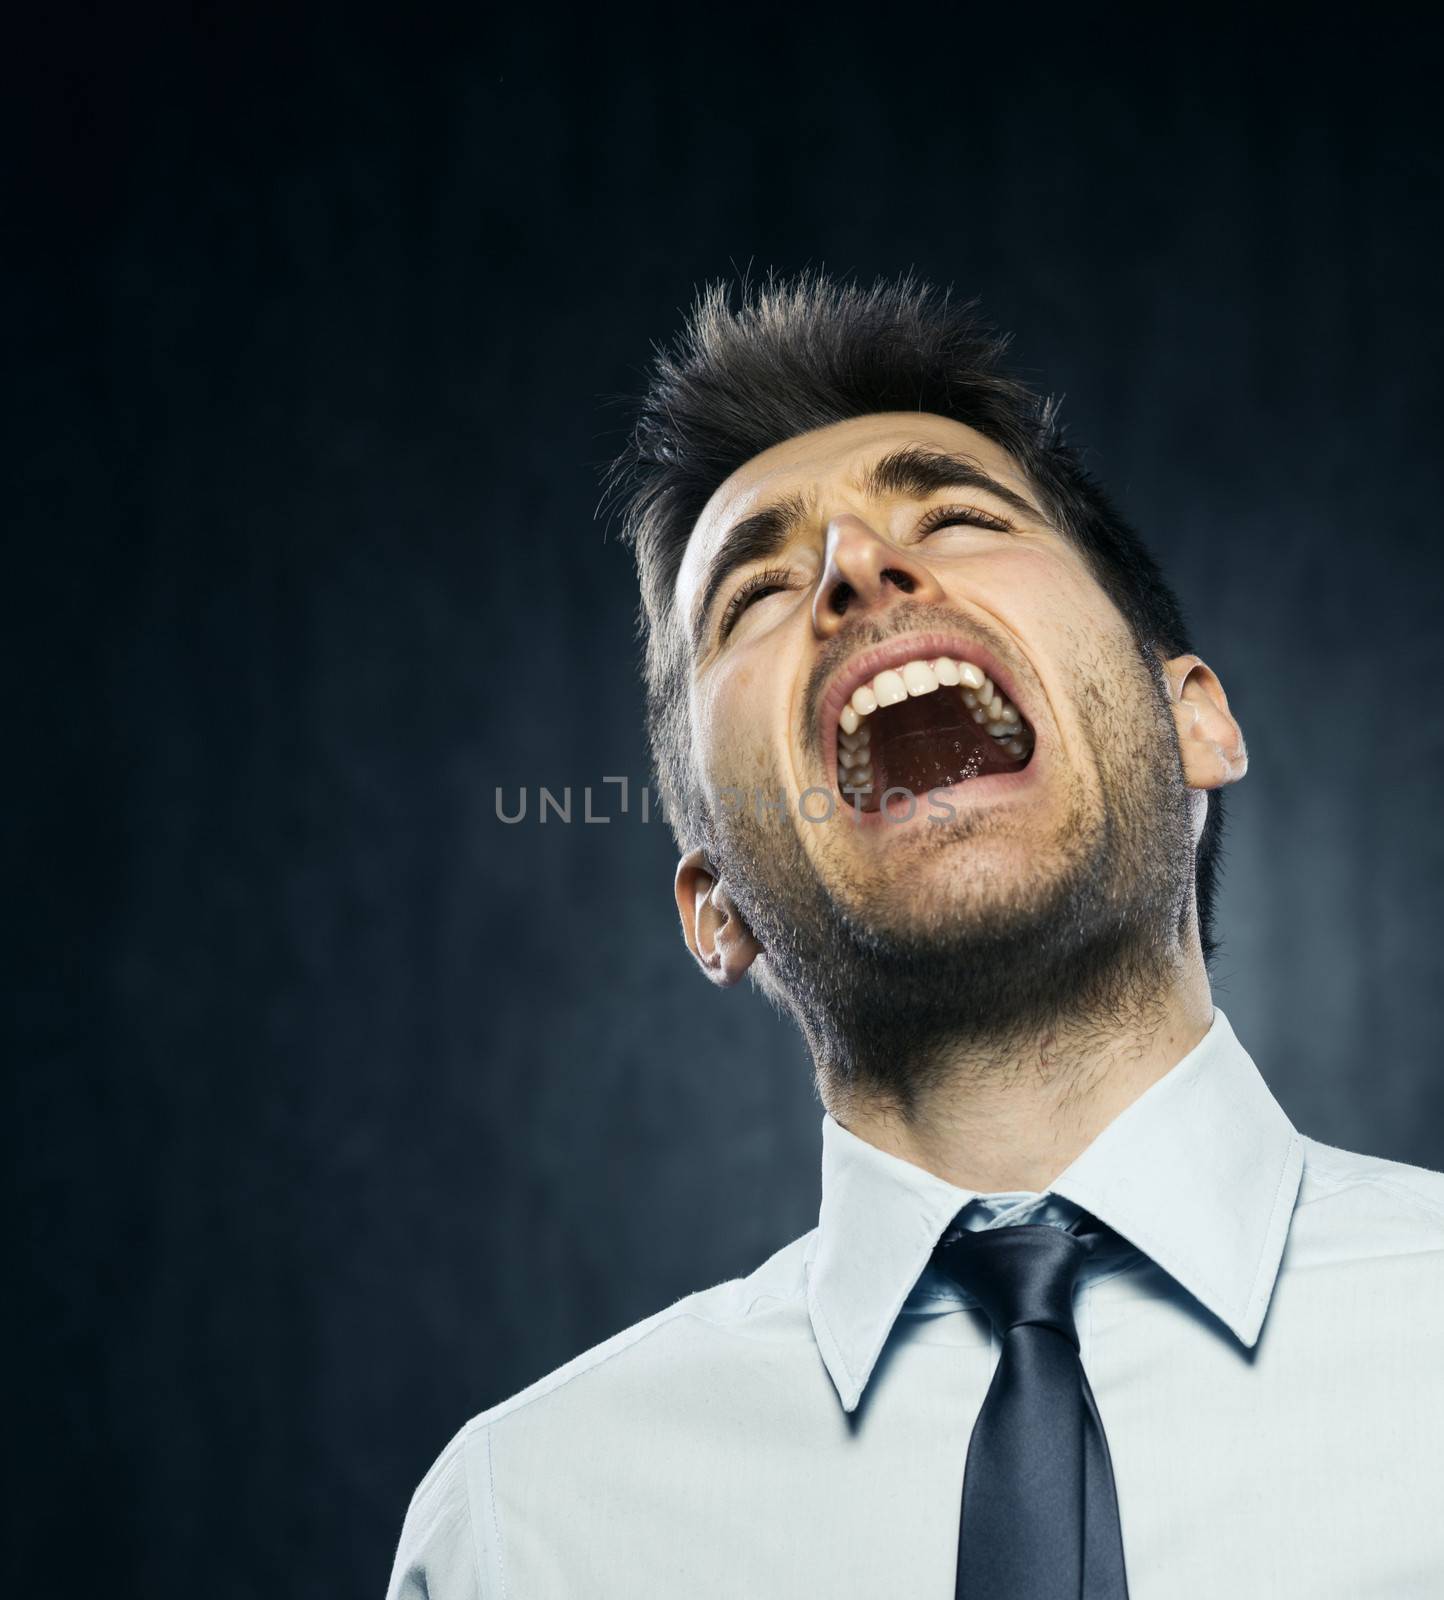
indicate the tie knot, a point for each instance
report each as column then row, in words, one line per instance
column 1019, row 1275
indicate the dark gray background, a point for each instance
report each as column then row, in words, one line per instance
column 343, row 1111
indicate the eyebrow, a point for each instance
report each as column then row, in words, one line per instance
column 913, row 471
column 919, row 472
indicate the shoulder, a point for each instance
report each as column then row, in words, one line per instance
column 448, row 1549
column 684, row 1334
column 1330, row 1171
column 1379, row 1207
column 438, row 1556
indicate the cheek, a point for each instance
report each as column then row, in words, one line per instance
column 731, row 716
column 1050, row 600
column 1075, row 638
column 1020, row 573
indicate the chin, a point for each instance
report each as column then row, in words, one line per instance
column 952, row 888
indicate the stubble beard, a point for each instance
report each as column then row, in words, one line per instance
column 889, row 1002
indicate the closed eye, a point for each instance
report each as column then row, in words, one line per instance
column 769, row 581
column 970, row 516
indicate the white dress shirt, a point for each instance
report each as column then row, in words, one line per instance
column 1265, row 1341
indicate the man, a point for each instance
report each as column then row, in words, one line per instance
column 1083, row 1315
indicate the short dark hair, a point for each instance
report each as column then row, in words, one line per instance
column 799, row 353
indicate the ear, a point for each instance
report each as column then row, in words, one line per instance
column 1209, row 740
column 711, row 923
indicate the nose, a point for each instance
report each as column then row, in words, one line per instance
column 862, row 572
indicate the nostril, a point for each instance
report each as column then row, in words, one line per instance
column 900, row 580
column 841, row 598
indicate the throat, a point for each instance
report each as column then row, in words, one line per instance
column 928, row 742
column 1010, row 1119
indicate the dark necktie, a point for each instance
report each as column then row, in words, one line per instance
column 1040, row 1513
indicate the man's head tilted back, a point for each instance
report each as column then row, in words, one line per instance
column 942, row 765
column 944, row 773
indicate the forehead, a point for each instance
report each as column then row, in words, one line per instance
column 825, row 461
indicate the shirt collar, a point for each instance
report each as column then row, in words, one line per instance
column 1200, row 1173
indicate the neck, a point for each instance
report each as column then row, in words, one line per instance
column 1008, row 1116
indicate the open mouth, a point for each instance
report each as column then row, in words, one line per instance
column 926, row 724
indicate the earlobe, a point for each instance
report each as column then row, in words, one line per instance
column 720, row 941
column 1210, row 741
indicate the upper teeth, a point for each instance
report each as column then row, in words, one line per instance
column 989, row 706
